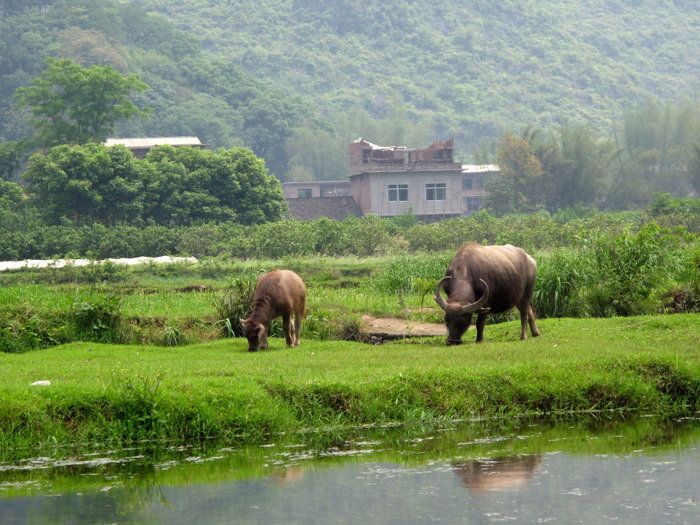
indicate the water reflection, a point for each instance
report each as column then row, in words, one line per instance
column 637, row 471
column 485, row 475
column 290, row 475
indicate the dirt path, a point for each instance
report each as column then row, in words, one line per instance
column 392, row 328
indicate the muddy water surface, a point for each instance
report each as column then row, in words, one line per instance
column 646, row 471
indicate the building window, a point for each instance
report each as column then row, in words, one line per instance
column 304, row 193
column 472, row 204
column 436, row 191
column 468, row 183
column 398, row 192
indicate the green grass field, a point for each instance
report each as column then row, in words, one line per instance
column 116, row 394
column 173, row 377
column 35, row 305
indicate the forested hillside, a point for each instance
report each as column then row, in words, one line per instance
column 298, row 78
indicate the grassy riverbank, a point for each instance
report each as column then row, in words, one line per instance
column 114, row 394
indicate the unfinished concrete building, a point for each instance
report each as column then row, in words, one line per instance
column 395, row 180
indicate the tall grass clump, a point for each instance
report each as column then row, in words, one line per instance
column 632, row 270
column 674, row 211
column 95, row 316
column 684, row 296
column 25, row 329
column 235, row 303
column 326, row 325
column 561, row 277
column 415, row 273
column 628, row 273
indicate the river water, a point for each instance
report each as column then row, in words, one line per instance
column 645, row 471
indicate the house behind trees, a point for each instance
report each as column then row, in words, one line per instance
column 395, row 180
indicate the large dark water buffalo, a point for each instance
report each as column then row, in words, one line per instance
column 495, row 475
column 500, row 276
column 280, row 292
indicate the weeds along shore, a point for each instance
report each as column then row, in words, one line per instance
column 106, row 394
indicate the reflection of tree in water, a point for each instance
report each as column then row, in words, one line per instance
column 140, row 490
column 487, row 475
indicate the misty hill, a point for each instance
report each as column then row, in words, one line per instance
column 475, row 65
column 273, row 74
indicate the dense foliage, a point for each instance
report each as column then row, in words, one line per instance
column 192, row 92
column 72, row 104
column 24, row 237
column 295, row 80
column 656, row 150
column 94, row 184
column 11, row 155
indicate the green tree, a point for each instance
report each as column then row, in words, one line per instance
column 269, row 120
column 11, row 155
column 519, row 185
column 85, row 184
column 657, row 141
column 15, row 221
column 575, row 165
column 12, row 201
column 72, row 104
column 191, row 185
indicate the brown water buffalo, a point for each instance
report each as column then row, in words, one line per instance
column 494, row 475
column 500, row 276
column 280, row 292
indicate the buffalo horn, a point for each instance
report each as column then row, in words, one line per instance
column 478, row 305
column 438, row 296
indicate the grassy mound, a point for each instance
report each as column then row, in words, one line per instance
column 115, row 394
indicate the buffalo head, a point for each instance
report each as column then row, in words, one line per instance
column 458, row 316
column 256, row 333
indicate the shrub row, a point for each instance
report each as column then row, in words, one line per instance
column 363, row 237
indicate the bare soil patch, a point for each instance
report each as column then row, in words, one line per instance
column 392, row 328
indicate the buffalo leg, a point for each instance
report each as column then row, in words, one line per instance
column 263, row 340
column 533, row 321
column 523, row 321
column 297, row 327
column 480, row 323
column 288, row 334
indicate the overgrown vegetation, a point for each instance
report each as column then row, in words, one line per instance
column 574, row 165
column 624, row 274
column 94, row 317
column 24, row 238
column 94, row 184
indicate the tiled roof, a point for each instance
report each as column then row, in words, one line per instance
column 149, row 142
column 337, row 208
